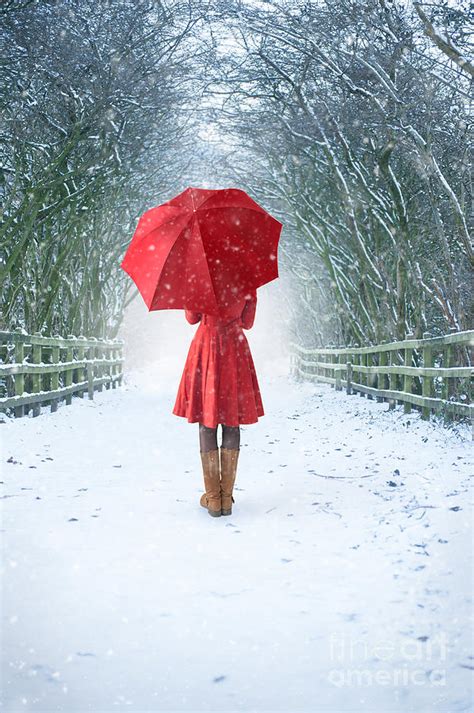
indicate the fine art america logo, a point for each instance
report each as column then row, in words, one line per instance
column 357, row 662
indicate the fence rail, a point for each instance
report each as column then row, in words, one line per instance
column 36, row 370
column 434, row 374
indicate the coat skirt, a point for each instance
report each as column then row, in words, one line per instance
column 219, row 383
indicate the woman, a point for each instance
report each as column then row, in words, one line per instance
column 219, row 386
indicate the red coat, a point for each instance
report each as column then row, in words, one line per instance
column 219, row 383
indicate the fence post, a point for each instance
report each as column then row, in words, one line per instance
column 378, row 375
column 369, row 361
column 392, row 379
column 408, row 379
column 319, row 369
column 90, row 369
column 349, row 378
column 331, row 359
column 113, row 369
column 360, row 376
column 37, row 378
column 448, row 360
column 69, row 370
column 382, row 378
column 106, row 350
column 19, row 355
column 99, row 352
column 81, row 372
column 338, row 361
column 426, row 387
column 55, row 374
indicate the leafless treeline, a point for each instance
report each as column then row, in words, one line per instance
column 359, row 116
column 93, row 103
column 350, row 120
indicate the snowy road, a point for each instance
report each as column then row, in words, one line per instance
column 340, row 583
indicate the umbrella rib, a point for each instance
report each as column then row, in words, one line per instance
column 207, row 264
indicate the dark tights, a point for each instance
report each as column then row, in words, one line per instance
column 208, row 437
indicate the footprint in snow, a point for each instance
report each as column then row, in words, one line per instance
column 352, row 616
column 46, row 671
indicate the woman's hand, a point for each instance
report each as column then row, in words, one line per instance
column 192, row 317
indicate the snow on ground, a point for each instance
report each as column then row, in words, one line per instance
column 341, row 582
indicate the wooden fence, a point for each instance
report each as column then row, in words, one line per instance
column 434, row 374
column 36, row 370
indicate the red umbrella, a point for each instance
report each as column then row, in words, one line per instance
column 202, row 250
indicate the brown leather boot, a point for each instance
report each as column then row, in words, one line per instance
column 211, row 499
column 229, row 459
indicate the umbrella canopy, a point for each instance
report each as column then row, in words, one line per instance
column 202, row 250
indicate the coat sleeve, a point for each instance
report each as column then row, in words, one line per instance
column 192, row 317
column 248, row 312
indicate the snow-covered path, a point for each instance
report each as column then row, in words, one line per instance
column 340, row 583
